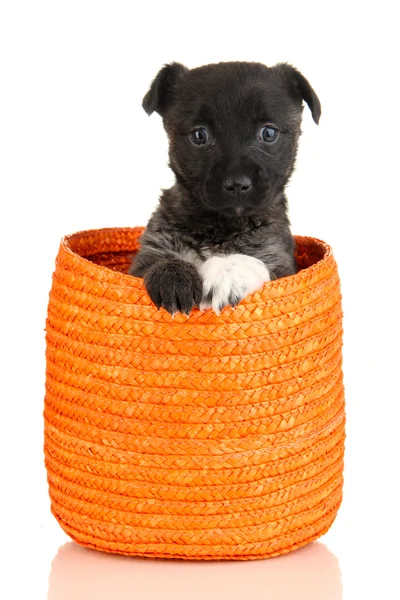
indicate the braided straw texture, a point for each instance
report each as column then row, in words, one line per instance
column 200, row 438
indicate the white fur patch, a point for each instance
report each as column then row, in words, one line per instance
column 229, row 279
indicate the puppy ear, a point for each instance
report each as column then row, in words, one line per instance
column 301, row 87
column 161, row 91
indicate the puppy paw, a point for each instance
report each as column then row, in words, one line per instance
column 229, row 279
column 175, row 285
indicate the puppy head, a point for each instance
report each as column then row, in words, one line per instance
column 233, row 130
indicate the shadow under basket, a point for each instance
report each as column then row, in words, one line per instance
column 212, row 437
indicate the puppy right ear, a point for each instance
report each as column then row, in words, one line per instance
column 161, row 91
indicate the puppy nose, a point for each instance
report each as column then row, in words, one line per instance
column 237, row 186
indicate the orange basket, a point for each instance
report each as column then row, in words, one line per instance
column 212, row 437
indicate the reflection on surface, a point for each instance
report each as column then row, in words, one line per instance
column 311, row 573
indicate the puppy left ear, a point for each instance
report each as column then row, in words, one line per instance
column 301, row 87
column 161, row 91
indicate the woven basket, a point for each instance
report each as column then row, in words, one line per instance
column 199, row 438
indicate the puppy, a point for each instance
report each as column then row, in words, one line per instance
column 222, row 230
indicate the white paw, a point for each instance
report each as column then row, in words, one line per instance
column 229, row 279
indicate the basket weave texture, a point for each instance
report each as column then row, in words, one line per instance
column 212, row 437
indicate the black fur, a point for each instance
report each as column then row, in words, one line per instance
column 204, row 213
column 172, row 286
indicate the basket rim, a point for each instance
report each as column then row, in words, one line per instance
column 129, row 281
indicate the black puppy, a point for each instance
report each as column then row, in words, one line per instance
column 222, row 229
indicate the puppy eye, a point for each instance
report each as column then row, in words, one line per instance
column 199, row 136
column 269, row 133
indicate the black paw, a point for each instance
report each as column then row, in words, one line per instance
column 175, row 285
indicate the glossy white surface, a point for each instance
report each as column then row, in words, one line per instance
column 77, row 573
column 78, row 152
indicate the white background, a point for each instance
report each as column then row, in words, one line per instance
column 77, row 152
